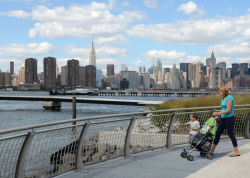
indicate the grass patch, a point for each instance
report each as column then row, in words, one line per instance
column 211, row 100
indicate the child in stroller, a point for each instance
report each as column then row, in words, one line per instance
column 202, row 141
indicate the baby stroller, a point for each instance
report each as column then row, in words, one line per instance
column 202, row 141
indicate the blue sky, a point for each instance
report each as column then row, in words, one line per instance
column 125, row 32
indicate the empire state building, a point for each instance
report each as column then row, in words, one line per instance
column 92, row 56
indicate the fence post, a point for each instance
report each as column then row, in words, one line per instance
column 247, row 134
column 22, row 155
column 80, row 145
column 170, row 126
column 74, row 109
column 127, row 151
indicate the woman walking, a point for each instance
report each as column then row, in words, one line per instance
column 227, row 121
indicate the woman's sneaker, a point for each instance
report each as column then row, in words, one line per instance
column 210, row 156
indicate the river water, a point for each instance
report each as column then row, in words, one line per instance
column 22, row 113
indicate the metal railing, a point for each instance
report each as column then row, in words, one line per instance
column 50, row 149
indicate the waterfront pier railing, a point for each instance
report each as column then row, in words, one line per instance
column 50, row 149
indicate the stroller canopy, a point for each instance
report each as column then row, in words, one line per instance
column 211, row 122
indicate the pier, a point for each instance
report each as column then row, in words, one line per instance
column 81, row 100
column 153, row 94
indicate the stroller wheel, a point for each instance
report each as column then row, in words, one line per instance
column 203, row 154
column 190, row 158
column 183, row 154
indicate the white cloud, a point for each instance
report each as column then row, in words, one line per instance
column 244, row 60
column 238, row 52
column 195, row 31
column 107, row 61
column 228, row 61
column 111, row 52
column 5, row 64
column 169, row 58
column 191, row 8
column 165, row 55
column 100, row 52
column 25, row 50
column 62, row 62
column 116, row 39
column 246, row 33
column 241, row 50
column 192, row 59
column 81, row 21
column 125, row 4
column 16, row 13
column 138, row 63
column 74, row 51
column 151, row 3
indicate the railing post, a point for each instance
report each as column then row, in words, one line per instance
column 74, row 109
column 78, row 161
column 170, row 126
column 127, row 151
column 22, row 155
column 247, row 134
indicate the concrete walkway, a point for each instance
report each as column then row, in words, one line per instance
column 169, row 164
column 237, row 167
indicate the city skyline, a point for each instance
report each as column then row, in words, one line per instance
column 124, row 32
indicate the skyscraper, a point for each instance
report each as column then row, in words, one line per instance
column 184, row 68
column 90, row 76
column 244, row 68
column 57, row 70
column 140, row 69
column 159, row 66
column 99, row 77
column 143, row 69
column 21, row 74
column 222, row 65
column 110, row 69
column 92, row 55
column 146, row 81
column 72, row 73
column 211, row 65
column 82, row 76
column 220, row 72
column 131, row 77
column 49, row 71
column 124, row 67
column 64, row 77
column 166, row 69
column 191, row 75
column 199, row 75
column 30, row 71
column 11, row 68
column 151, row 70
column 177, row 79
column 235, row 70
column 211, row 62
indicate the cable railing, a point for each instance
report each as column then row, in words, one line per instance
column 50, row 149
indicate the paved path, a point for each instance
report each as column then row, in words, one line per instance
column 168, row 164
column 237, row 167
